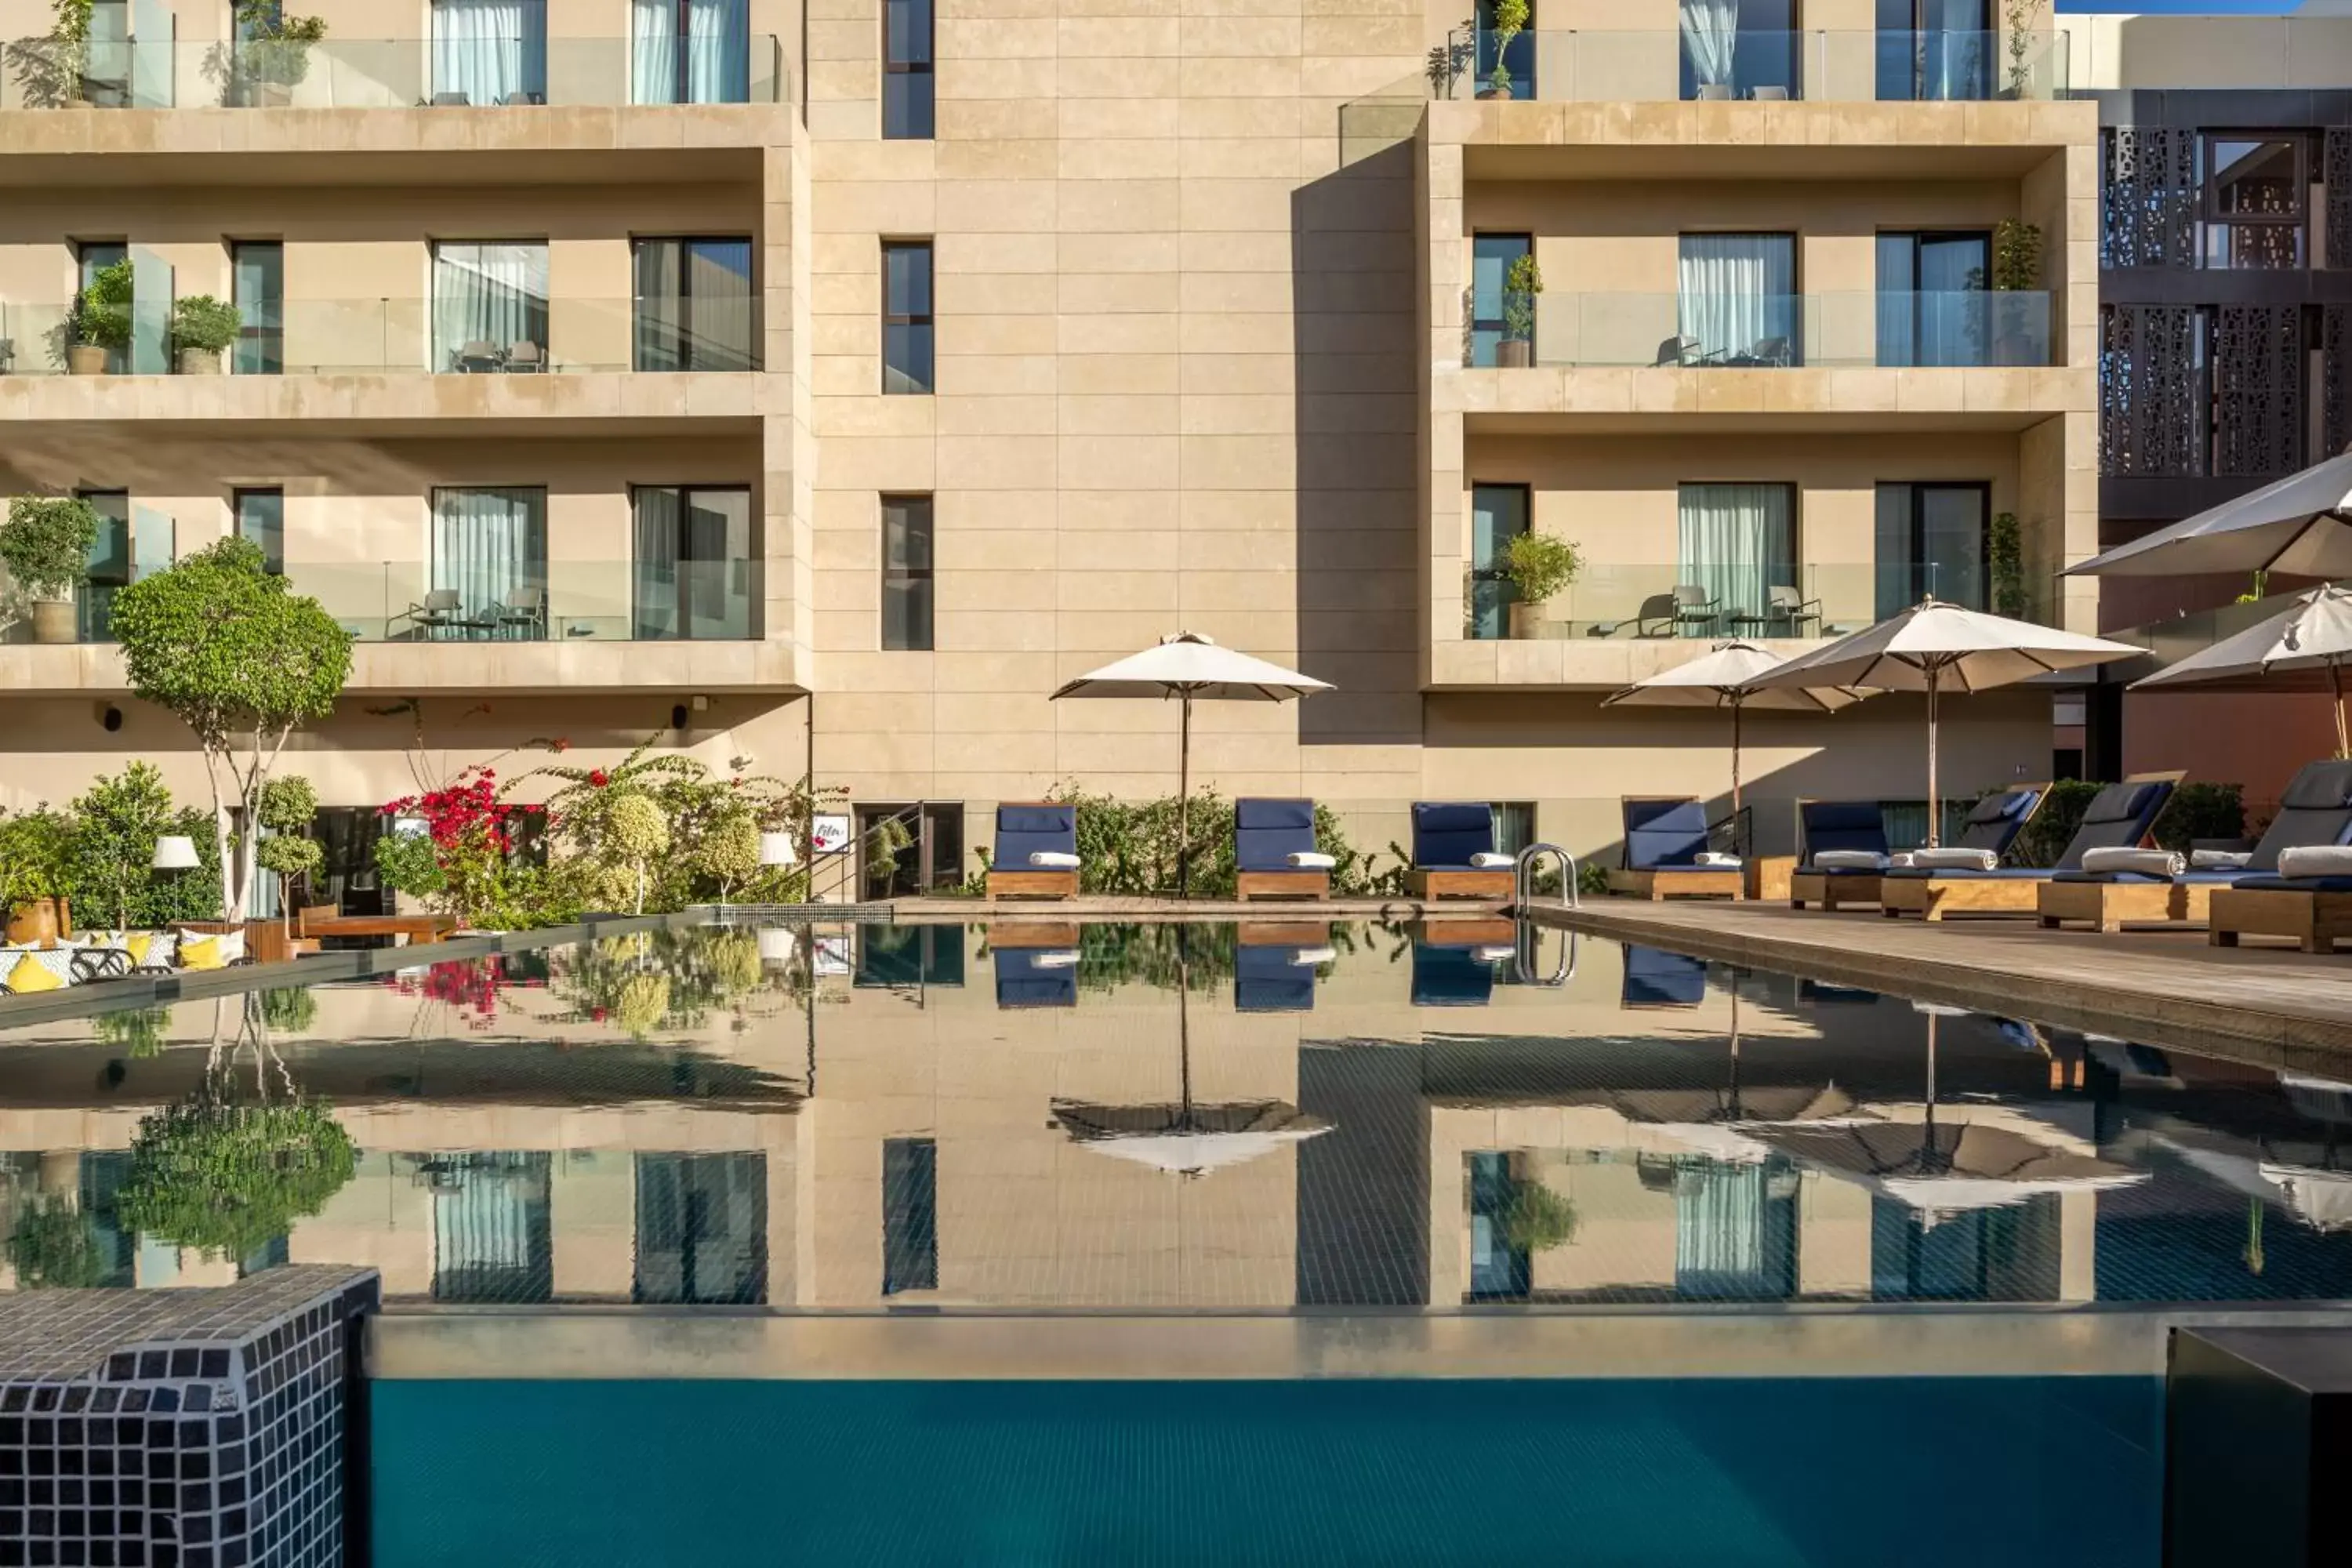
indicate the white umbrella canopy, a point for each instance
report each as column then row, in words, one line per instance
column 2311, row 635
column 1729, row 676
column 2300, row 526
column 1186, row 1139
column 1190, row 666
column 1934, row 646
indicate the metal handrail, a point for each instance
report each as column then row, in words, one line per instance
column 1523, row 880
column 1523, row 958
column 852, row 858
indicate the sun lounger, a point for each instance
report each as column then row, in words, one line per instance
column 1454, row 854
column 1666, row 855
column 1273, row 851
column 1656, row 978
column 2316, row 808
column 1036, row 976
column 1036, row 852
column 2119, row 816
column 1842, row 829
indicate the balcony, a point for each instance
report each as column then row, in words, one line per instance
column 1972, row 329
column 1754, row 66
column 155, row 71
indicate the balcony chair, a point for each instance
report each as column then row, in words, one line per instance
column 437, row 611
column 1274, row 855
column 1770, row 95
column 1679, row 351
column 1785, row 610
column 524, row 359
column 477, row 356
column 452, row 101
column 2119, row 816
column 1773, row 352
column 1716, row 92
column 525, row 97
column 1689, row 611
column 522, row 613
column 1666, row 838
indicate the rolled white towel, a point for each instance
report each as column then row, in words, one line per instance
column 1052, row 860
column 2154, row 862
column 1493, row 954
column 2220, row 859
column 1058, row 958
column 1311, row 957
column 2316, row 860
column 1901, row 858
column 1486, row 860
column 1715, row 859
column 1311, row 861
column 1850, row 861
column 1955, row 859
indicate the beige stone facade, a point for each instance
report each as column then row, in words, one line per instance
column 1197, row 284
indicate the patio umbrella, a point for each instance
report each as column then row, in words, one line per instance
column 1190, row 666
column 2300, row 526
column 1934, row 646
column 1727, row 678
column 2313, row 633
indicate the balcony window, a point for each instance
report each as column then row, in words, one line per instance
column 911, row 1215
column 1736, row 299
column 94, row 256
column 1491, row 258
column 1935, row 51
column 1931, row 299
column 1739, row 49
column 109, row 564
column 1499, row 514
column 1931, row 542
column 1518, row 59
column 690, row 51
column 489, row 305
column 490, row 566
column 2256, row 202
column 261, row 521
column 906, row 315
column 693, row 569
column 257, row 273
column 694, row 305
column 906, row 77
column 492, row 1234
column 906, row 574
column 1737, row 559
column 702, row 1229
column 488, row 52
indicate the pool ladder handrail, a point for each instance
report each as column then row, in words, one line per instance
column 1523, row 878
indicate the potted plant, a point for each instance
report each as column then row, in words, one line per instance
column 36, row 857
column 1521, row 284
column 273, row 55
column 203, row 329
column 52, row 71
column 1510, row 20
column 1537, row 565
column 2017, row 272
column 45, row 545
column 101, row 324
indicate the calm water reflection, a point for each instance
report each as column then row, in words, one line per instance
column 1049, row 1116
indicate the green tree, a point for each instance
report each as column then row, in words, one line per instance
column 54, row 1246
column 289, row 806
column 1538, row 1219
column 111, row 844
column 243, row 661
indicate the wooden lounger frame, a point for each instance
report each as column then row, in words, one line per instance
column 1292, row 884
column 1933, row 898
column 1844, row 890
column 2111, row 906
column 2315, row 920
column 1702, row 882
column 1428, row 884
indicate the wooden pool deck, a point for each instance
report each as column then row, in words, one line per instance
column 2156, row 987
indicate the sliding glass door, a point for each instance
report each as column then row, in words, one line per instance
column 1491, row 258
column 1939, row 50
column 1739, row 543
column 693, row 570
column 489, row 563
column 488, row 52
column 1931, row 542
column 690, row 51
column 1931, row 298
column 1736, row 299
column 257, row 271
column 489, row 305
column 1499, row 514
column 693, row 305
column 1739, row 48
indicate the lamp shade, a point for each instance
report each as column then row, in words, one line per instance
column 175, row 852
column 777, row 849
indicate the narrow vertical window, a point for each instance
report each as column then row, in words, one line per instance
column 906, row 70
column 905, row 572
column 911, row 1215
column 261, row 521
column 258, row 273
column 906, row 315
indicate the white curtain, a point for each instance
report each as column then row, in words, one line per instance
column 654, row 52
column 1736, row 296
column 1719, row 1221
column 491, row 292
column 715, row 51
column 1739, row 543
column 1711, row 36
column 491, row 51
column 487, row 542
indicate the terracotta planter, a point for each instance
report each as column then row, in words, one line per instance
column 1486, row 92
column 200, row 362
column 56, row 622
column 1523, row 620
column 1514, row 354
column 85, row 359
column 40, row 922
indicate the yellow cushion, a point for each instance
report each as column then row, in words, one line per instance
column 136, row 944
column 201, row 952
column 32, row 975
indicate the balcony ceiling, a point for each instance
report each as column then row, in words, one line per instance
column 1754, row 423
column 1762, row 160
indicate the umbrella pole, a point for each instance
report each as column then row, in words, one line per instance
column 1935, row 802
column 2335, row 681
column 1737, row 846
column 1184, row 805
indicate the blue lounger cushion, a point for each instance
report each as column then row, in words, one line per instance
column 1024, row 980
column 2316, row 808
column 1995, row 821
column 2269, row 882
column 2118, row 817
column 1025, row 831
column 1850, row 825
column 1664, row 835
column 1272, row 980
column 1447, row 833
column 1451, row 977
column 1656, row 978
column 1266, row 833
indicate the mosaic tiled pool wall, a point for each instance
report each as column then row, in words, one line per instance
column 194, row 1429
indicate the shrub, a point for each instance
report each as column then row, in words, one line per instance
column 103, row 314
column 204, row 324
column 2202, row 811
column 35, row 856
column 46, row 543
column 137, row 1032
column 54, row 1247
column 224, row 1177
column 1538, row 1219
column 2045, row 837
column 1540, row 564
column 1129, row 846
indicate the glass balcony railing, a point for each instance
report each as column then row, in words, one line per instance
column 563, row 601
column 1761, row 331
column 374, row 337
column 1799, row 600
column 1752, row 65
column 155, row 71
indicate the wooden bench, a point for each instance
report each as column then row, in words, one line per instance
column 321, row 920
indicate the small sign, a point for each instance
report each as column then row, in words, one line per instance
column 833, row 955
column 829, row 833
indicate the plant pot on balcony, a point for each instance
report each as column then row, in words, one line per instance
column 200, row 362
column 1514, row 354
column 85, row 359
column 55, row 621
column 1523, row 620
